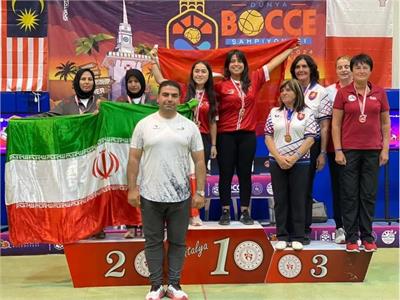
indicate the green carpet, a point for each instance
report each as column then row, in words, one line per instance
column 47, row 277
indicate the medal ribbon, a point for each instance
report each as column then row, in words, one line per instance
column 364, row 101
column 288, row 120
column 199, row 97
column 242, row 95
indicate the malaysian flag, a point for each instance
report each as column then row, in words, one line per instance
column 24, row 50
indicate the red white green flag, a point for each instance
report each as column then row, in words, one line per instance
column 66, row 176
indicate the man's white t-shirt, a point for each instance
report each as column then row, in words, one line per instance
column 165, row 161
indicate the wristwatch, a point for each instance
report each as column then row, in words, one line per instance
column 200, row 193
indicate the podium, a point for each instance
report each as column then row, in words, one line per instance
column 215, row 254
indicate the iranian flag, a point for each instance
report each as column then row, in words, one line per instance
column 66, row 176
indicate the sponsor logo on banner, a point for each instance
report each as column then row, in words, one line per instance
column 325, row 236
column 192, row 28
column 289, row 266
column 269, row 189
column 351, row 98
column 257, row 189
column 248, row 255
column 388, row 236
column 5, row 244
column 215, row 189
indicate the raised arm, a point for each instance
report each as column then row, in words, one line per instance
column 155, row 68
column 277, row 60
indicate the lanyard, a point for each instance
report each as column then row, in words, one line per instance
column 199, row 97
column 242, row 95
column 288, row 120
column 362, row 103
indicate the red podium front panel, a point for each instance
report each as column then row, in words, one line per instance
column 226, row 254
column 214, row 254
column 110, row 262
column 319, row 262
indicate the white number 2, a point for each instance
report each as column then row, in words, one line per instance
column 120, row 262
column 320, row 270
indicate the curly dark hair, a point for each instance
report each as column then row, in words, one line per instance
column 244, row 78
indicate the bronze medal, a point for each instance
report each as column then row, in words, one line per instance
column 288, row 138
column 362, row 118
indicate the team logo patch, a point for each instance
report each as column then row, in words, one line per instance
column 312, row 95
column 248, row 255
column 351, row 98
column 289, row 266
column 300, row 116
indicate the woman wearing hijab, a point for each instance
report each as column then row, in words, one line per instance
column 135, row 85
column 82, row 102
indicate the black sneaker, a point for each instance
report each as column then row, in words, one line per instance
column 225, row 217
column 245, row 218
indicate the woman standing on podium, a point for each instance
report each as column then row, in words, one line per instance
column 236, row 141
column 305, row 70
column 361, row 132
column 290, row 130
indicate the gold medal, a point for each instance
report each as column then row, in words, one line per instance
column 288, row 138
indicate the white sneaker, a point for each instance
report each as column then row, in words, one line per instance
column 196, row 221
column 280, row 245
column 175, row 292
column 156, row 293
column 297, row 245
column 340, row 236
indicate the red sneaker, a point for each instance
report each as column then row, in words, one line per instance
column 369, row 247
column 352, row 247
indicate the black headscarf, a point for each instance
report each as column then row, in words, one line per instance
column 139, row 76
column 81, row 94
